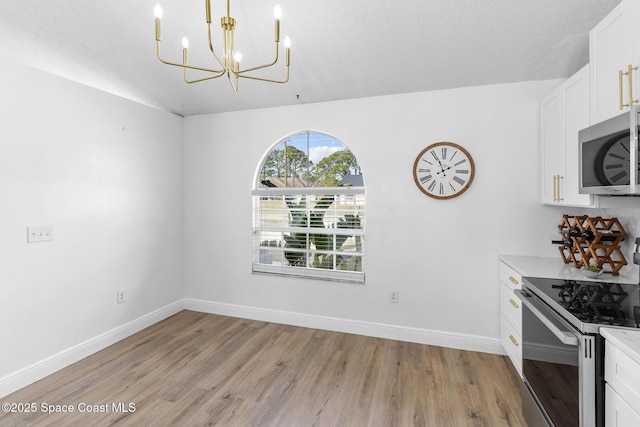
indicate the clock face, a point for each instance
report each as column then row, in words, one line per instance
column 443, row 170
column 613, row 162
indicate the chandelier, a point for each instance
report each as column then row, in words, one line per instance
column 230, row 59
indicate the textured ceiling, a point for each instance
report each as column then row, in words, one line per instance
column 340, row 48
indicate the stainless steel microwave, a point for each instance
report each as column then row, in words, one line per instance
column 608, row 153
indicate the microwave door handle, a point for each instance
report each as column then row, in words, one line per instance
column 564, row 336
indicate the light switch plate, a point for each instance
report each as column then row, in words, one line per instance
column 39, row 234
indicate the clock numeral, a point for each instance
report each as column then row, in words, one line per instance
column 433, row 153
column 616, row 156
column 460, row 162
column 431, row 186
column 444, row 153
column 424, row 170
column 616, row 166
column 426, row 179
column 454, row 154
column 465, row 171
column 618, row 176
column 459, row 180
column 427, row 161
column 441, row 188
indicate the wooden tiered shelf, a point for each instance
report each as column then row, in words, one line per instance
column 603, row 250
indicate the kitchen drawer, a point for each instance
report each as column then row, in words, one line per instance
column 511, row 307
column 617, row 412
column 512, row 344
column 510, row 277
column 623, row 375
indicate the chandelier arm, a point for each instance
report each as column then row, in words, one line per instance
column 201, row 79
column 191, row 67
column 242, row 76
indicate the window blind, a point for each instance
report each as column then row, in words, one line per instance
column 310, row 232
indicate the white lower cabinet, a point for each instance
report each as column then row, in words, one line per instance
column 622, row 391
column 617, row 412
column 511, row 308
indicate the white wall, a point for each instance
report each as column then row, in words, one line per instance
column 441, row 256
column 107, row 174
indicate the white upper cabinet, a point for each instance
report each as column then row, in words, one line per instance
column 614, row 55
column 563, row 113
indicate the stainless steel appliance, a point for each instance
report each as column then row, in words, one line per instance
column 609, row 158
column 563, row 353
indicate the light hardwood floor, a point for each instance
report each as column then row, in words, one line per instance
column 197, row 369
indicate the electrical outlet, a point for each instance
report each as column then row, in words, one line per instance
column 393, row 296
column 39, row 234
column 120, row 295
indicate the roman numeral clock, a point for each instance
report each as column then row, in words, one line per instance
column 443, row 170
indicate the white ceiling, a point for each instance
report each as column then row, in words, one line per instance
column 340, row 48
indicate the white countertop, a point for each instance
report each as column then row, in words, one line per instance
column 627, row 340
column 555, row 268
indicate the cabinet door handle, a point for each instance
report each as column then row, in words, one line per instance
column 556, row 188
column 622, row 104
column 513, row 303
column 513, row 280
column 630, row 77
column 513, row 340
column 560, row 198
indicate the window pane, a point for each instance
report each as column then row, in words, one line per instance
column 310, row 160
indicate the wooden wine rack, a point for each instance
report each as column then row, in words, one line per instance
column 603, row 251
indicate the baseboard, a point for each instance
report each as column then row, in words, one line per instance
column 378, row 330
column 42, row 368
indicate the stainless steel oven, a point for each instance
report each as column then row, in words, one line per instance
column 562, row 350
column 560, row 369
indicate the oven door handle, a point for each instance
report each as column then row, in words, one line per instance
column 564, row 336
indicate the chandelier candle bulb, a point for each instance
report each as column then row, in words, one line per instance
column 277, row 13
column 237, row 57
column 287, row 44
column 185, row 46
column 157, row 11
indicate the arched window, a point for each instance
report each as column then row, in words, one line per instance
column 309, row 210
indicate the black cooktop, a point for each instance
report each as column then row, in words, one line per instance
column 589, row 305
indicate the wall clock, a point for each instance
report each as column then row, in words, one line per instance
column 443, row 170
column 614, row 160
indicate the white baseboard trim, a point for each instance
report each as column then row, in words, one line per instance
column 36, row 371
column 378, row 330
